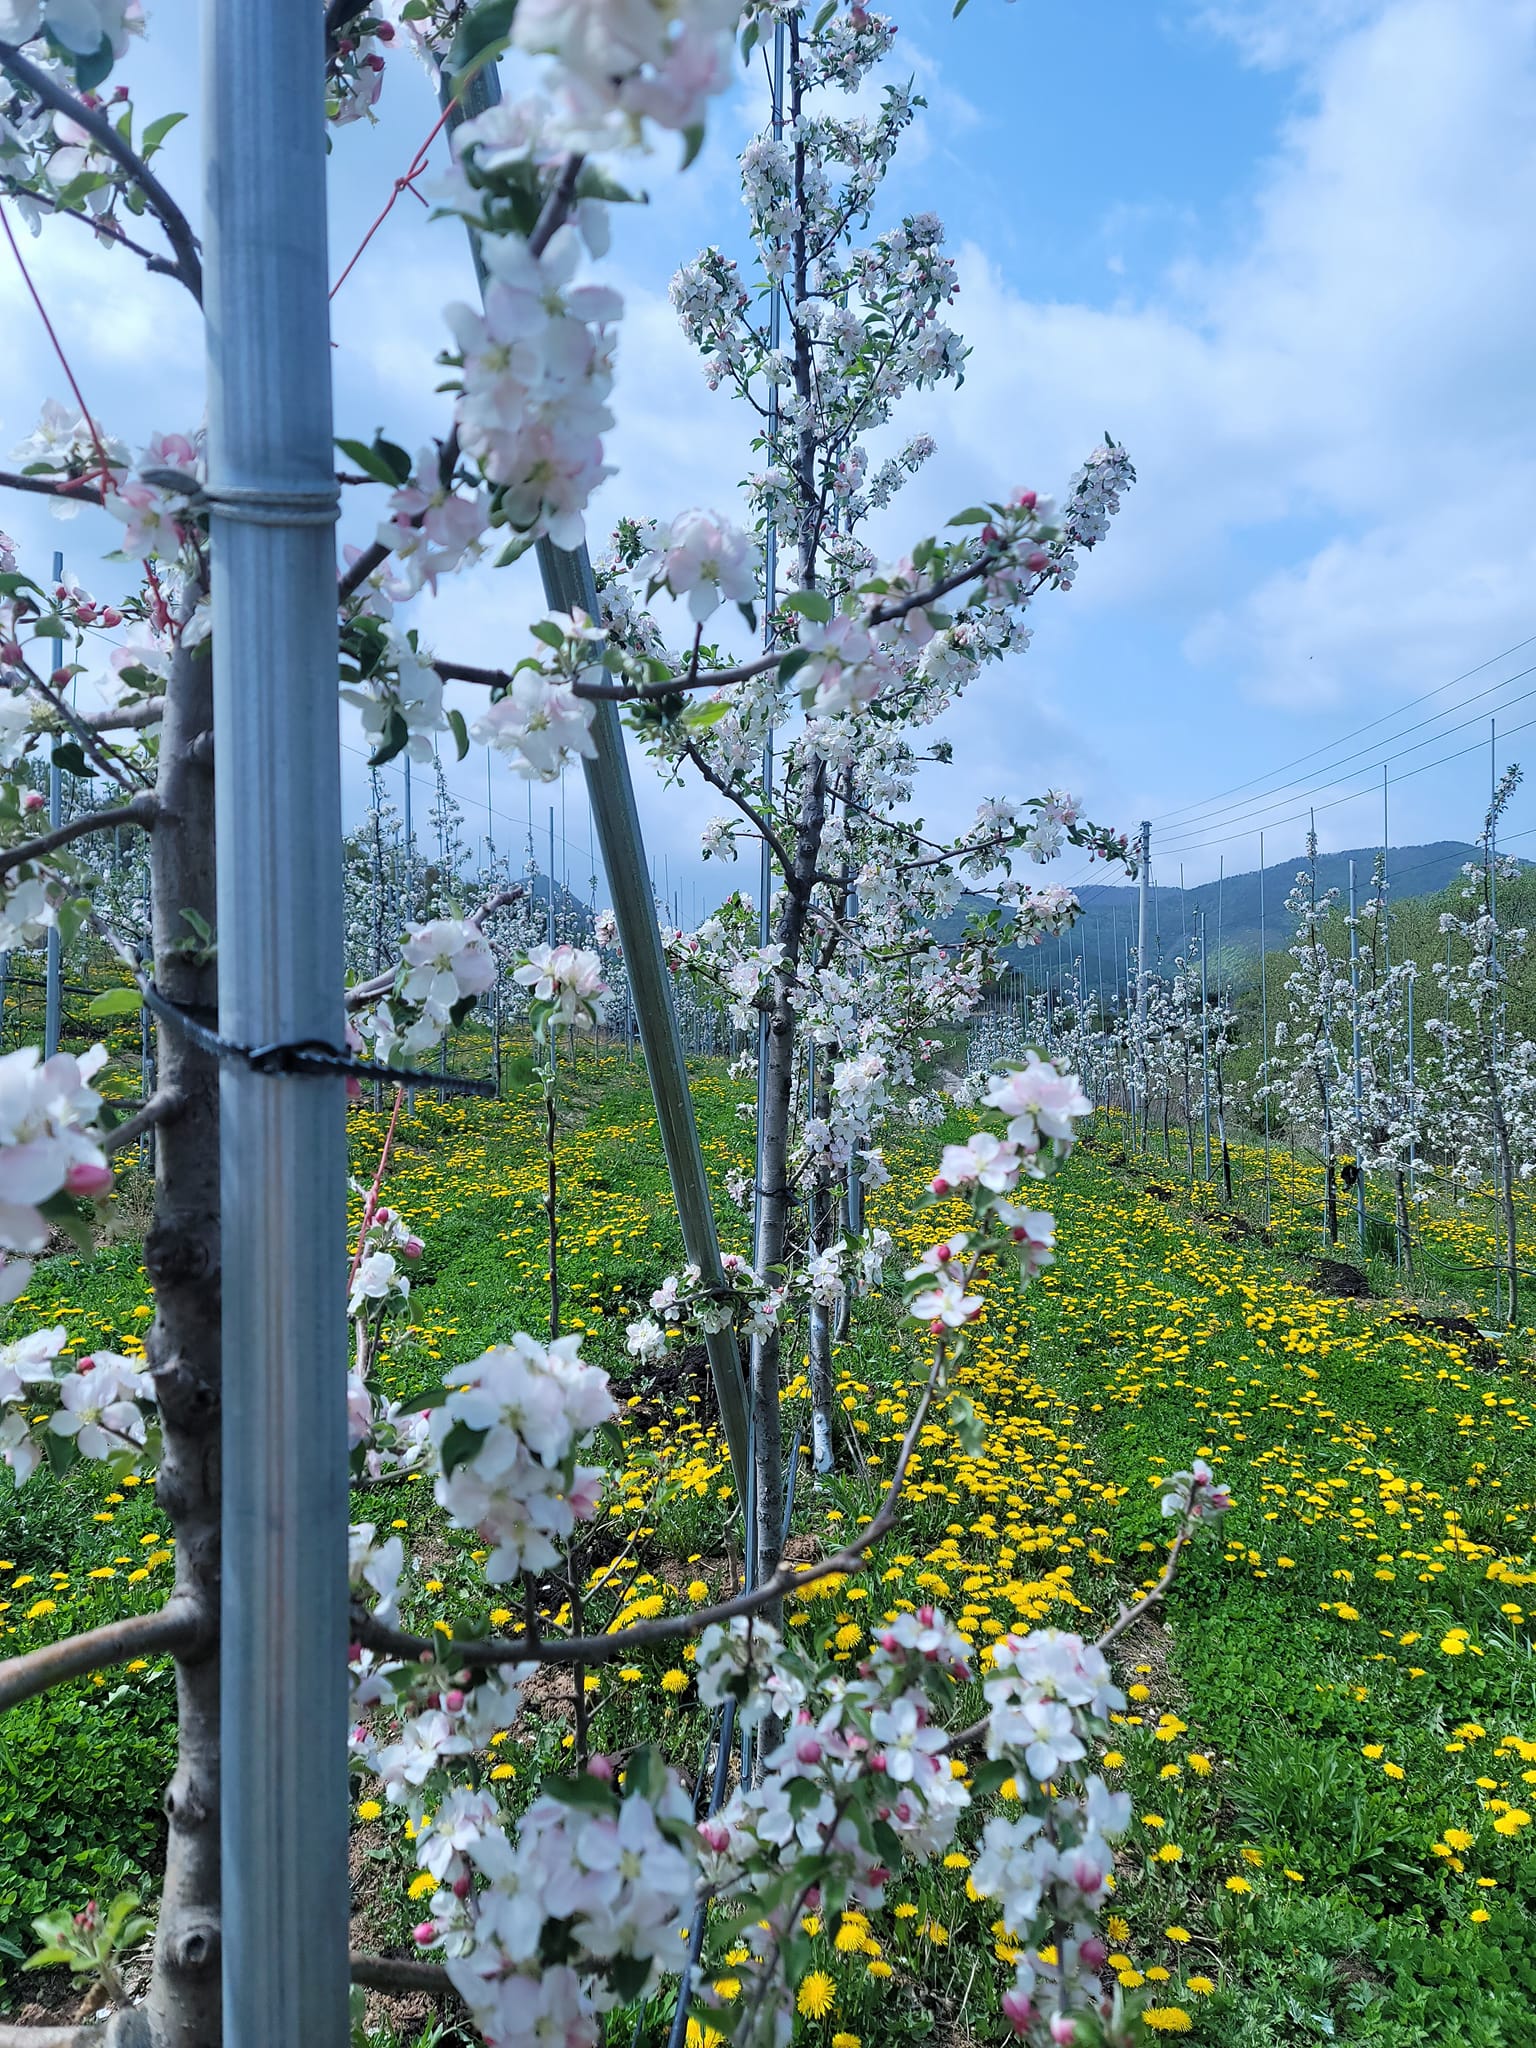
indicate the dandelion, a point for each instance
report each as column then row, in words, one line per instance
column 1238, row 1884
column 816, row 1994
column 1167, row 2019
column 1178, row 1934
column 674, row 1681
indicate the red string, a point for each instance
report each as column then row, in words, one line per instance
column 406, row 184
column 58, row 349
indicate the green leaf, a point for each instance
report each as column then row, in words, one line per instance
column 629, row 1976
column 460, row 732
column 797, row 657
column 748, row 611
column 62, row 1451
column 973, row 515
column 586, row 1794
column 65, row 1213
column 595, row 183
column 749, row 37
column 547, row 631
column 157, row 131
column 699, row 717
column 68, row 756
column 967, row 1426
column 990, row 1778
column 522, row 1072
column 824, row 17
column 117, row 1002
column 90, row 71
column 460, row 1445
column 811, row 604
column 397, row 737
column 481, row 34
column 422, row 1404
column 46, row 1958
column 693, row 142
column 380, row 460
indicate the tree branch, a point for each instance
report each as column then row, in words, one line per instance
column 393, row 1973
column 141, row 812
column 172, row 1627
column 756, row 818
column 178, row 231
column 786, row 1582
column 51, row 486
column 163, row 266
column 125, row 717
column 337, row 15
column 160, row 1109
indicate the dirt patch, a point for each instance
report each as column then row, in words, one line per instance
column 1337, row 1277
column 1150, row 1641
column 1479, row 1350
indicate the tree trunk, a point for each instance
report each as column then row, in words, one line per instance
column 182, row 1259
column 819, row 1346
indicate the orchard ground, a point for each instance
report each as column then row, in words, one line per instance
column 1331, row 1736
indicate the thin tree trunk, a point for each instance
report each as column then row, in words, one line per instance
column 182, row 1259
column 819, row 1345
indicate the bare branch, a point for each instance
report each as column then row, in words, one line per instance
column 178, row 232
column 172, row 1627
column 785, row 1583
column 362, row 995
column 164, row 266
column 160, row 1109
column 141, row 812
column 758, row 819
column 125, row 717
column 52, row 486
column 556, row 206
column 393, row 1973
column 1149, row 1599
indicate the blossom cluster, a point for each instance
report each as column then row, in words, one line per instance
column 50, row 1150
column 444, row 966
column 506, row 1437
column 95, row 1409
column 565, row 985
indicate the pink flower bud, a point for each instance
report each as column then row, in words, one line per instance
column 1036, row 560
column 939, row 1184
column 1017, row 2011
column 86, row 1365
column 809, row 1751
column 413, row 1248
column 463, row 1884
column 877, row 1762
column 1063, row 2029
column 10, row 651
column 85, row 1179
column 425, row 1933
column 453, row 1701
column 943, row 1254
column 600, row 1767
column 1093, row 1952
column 34, row 800
column 111, row 616
column 713, row 1836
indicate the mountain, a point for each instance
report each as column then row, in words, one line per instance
column 1231, row 907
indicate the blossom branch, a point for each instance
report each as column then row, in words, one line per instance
column 141, row 811
column 756, row 818
column 392, row 1973
column 42, row 86
column 784, row 1584
column 362, row 995
column 176, row 1626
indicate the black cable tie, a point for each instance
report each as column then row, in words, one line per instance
column 303, row 1056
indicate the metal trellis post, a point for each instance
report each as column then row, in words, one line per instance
column 1354, row 1039
column 272, row 491
column 53, row 1001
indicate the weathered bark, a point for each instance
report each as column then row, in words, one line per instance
column 181, row 1257
column 819, row 1333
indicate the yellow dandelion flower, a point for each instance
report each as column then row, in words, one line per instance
column 815, row 1996
column 369, row 1809
column 1167, row 2019
column 674, row 1681
column 1178, row 1934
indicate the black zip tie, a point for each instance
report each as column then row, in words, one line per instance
column 305, row 1056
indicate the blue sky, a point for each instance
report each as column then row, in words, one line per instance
column 1282, row 251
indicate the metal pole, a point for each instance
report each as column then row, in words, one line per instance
column 1354, row 1032
column 1205, row 1045
column 1143, row 908
column 53, row 1001
column 569, row 586
column 1413, row 1100
column 283, row 1631
column 1264, row 1021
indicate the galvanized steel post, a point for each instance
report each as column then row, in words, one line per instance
column 273, row 497
column 569, row 586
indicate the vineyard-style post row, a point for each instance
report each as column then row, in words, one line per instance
column 1143, row 909
column 569, row 586
column 273, row 496
column 1354, row 1039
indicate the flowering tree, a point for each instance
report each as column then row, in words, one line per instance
column 547, row 1921
column 1481, row 1080
column 1304, row 1072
